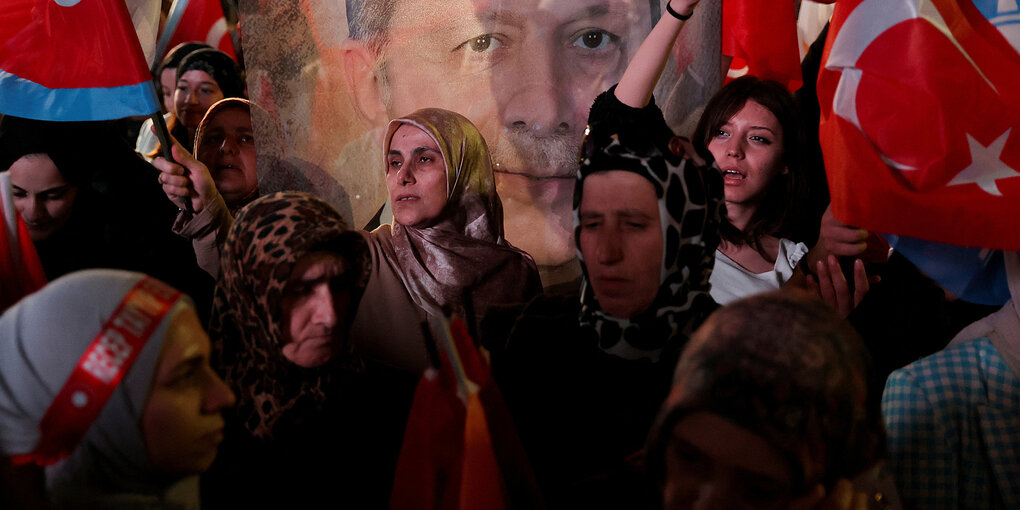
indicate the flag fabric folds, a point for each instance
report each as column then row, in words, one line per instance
column 976, row 275
column 762, row 39
column 460, row 451
column 72, row 61
column 196, row 20
column 21, row 273
column 921, row 120
column 145, row 16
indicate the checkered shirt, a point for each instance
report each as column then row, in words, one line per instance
column 953, row 421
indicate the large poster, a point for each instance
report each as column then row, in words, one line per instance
column 525, row 72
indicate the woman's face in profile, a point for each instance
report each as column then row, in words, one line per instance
column 316, row 301
column 621, row 240
column 182, row 423
column 415, row 177
column 41, row 194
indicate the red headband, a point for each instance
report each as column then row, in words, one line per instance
column 99, row 371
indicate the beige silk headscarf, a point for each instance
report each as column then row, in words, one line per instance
column 460, row 263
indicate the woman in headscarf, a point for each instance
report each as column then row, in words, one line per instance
column 225, row 143
column 166, row 77
column 221, row 178
column 204, row 77
column 117, row 397
column 773, row 405
column 445, row 249
column 584, row 375
column 310, row 419
column 89, row 202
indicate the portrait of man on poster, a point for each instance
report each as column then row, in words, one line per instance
column 525, row 72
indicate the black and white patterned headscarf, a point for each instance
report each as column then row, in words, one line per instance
column 690, row 193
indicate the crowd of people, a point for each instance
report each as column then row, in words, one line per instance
column 205, row 343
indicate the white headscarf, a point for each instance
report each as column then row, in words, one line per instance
column 42, row 339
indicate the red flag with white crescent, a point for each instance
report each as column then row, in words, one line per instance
column 196, row 20
column 921, row 121
column 762, row 39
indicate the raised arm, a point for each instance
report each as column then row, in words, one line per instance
column 643, row 71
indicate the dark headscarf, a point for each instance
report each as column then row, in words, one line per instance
column 220, row 66
column 174, row 57
column 66, row 144
column 264, row 243
column 461, row 260
column 790, row 371
column 690, row 194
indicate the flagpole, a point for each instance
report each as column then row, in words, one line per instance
column 165, row 144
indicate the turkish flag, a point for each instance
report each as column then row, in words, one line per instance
column 460, row 450
column 920, row 124
column 762, row 39
column 72, row 60
column 196, row 20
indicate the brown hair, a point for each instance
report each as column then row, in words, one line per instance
column 786, row 191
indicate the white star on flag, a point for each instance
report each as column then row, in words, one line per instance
column 986, row 165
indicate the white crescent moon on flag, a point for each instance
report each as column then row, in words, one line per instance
column 216, row 33
column 737, row 73
column 869, row 20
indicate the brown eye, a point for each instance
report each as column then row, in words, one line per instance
column 592, row 40
column 481, row 43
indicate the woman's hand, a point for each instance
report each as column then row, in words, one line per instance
column 186, row 180
column 830, row 285
column 837, row 238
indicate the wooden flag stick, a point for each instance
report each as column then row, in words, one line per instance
column 165, row 143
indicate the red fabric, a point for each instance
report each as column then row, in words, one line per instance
column 480, row 485
column 428, row 469
column 10, row 284
column 19, row 264
column 762, row 37
column 457, row 455
column 87, row 36
column 203, row 21
column 34, row 276
column 930, row 103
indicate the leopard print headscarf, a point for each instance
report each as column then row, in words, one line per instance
column 690, row 195
column 264, row 243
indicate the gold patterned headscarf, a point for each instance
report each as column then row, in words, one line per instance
column 460, row 263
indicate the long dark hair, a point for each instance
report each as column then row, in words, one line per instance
column 787, row 191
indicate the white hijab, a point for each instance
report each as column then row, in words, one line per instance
column 42, row 339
